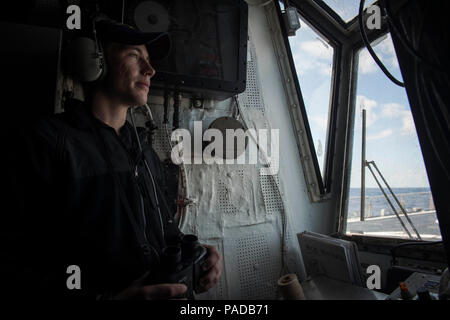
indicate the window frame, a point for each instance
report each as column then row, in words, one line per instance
column 356, row 48
column 348, row 37
column 345, row 24
column 325, row 182
column 333, row 14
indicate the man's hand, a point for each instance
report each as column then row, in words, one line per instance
column 212, row 268
column 137, row 290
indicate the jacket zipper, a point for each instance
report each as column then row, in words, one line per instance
column 135, row 175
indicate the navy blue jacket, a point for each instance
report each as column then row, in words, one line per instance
column 78, row 187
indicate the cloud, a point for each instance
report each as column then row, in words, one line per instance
column 370, row 106
column 392, row 110
column 317, row 49
column 380, row 135
column 375, row 112
column 313, row 55
column 408, row 127
column 399, row 111
column 411, row 175
column 366, row 63
column 305, row 64
column 386, row 53
column 319, row 121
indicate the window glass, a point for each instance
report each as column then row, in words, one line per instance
column 392, row 143
column 313, row 60
column 346, row 9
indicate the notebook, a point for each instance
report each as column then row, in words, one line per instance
column 334, row 258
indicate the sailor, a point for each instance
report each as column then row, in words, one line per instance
column 91, row 193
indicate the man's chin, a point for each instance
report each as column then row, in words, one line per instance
column 138, row 101
column 143, row 99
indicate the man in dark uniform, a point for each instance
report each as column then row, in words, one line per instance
column 90, row 194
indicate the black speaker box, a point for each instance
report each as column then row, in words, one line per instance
column 209, row 42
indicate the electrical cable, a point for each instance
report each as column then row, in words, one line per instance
column 149, row 111
column 123, row 9
column 139, row 233
column 183, row 178
column 148, row 170
column 166, row 106
column 98, row 49
column 408, row 46
column 419, row 59
column 176, row 109
column 369, row 47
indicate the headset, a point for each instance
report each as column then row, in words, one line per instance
column 86, row 59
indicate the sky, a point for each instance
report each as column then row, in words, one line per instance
column 391, row 136
column 347, row 9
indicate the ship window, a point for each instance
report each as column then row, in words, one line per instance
column 393, row 149
column 347, row 10
column 313, row 57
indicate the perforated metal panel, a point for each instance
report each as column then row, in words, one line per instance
column 220, row 288
column 270, row 189
column 161, row 138
column 252, row 98
column 225, row 205
column 258, row 269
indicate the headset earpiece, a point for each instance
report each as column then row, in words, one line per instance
column 85, row 59
column 104, row 65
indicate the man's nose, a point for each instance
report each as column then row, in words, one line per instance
column 148, row 69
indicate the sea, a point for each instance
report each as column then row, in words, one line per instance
column 412, row 199
column 380, row 220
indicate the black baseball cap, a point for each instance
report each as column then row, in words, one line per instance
column 158, row 44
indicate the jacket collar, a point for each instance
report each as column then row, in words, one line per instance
column 79, row 114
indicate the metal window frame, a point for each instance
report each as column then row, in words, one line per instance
column 355, row 45
column 333, row 13
column 319, row 187
column 294, row 101
column 333, row 40
column 323, row 20
column 346, row 25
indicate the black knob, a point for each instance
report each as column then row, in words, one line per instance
column 423, row 294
